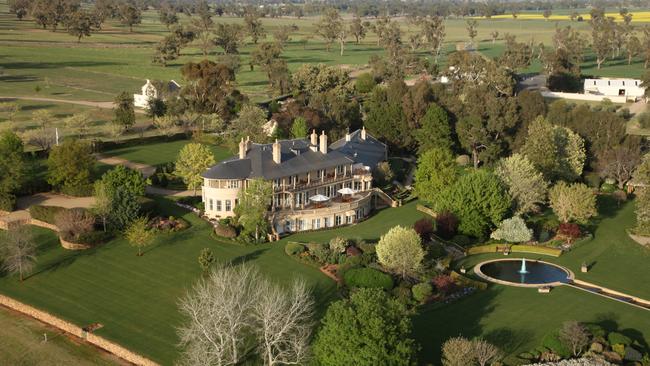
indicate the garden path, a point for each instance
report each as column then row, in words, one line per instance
column 87, row 103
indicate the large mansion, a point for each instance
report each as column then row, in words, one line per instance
column 315, row 185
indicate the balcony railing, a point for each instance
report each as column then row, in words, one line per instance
column 335, row 205
column 314, row 182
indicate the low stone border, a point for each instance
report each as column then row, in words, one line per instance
column 643, row 240
column 609, row 291
column 73, row 246
column 477, row 270
column 68, row 327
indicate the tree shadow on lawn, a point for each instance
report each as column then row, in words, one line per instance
column 56, row 65
column 607, row 208
column 19, row 78
column 609, row 322
column 436, row 323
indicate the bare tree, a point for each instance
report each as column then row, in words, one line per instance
column 285, row 323
column 485, row 352
column 219, row 312
column 575, row 336
column 74, row 222
column 18, row 250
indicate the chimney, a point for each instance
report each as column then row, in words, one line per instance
column 347, row 136
column 363, row 133
column 323, row 143
column 314, row 141
column 277, row 152
column 242, row 149
column 248, row 143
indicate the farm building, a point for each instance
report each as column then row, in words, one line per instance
column 153, row 90
column 629, row 88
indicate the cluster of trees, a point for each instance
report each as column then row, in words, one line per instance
column 235, row 314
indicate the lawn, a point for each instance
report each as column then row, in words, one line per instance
column 22, row 344
column 161, row 152
column 64, row 69
column 501, row 312
column 135, row 297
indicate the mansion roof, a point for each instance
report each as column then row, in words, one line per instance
column 297, row 156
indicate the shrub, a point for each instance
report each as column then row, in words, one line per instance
column 443, row 283
column 403, row 294
column 74, row 222
column 225, row 231
column 422, row 291
column 607, row 188
column 446, row 224
column 618, row 338
column 368, row 278
column 424, row 227
column 293, row 248
column 550, row 223
column 619, row 348
column 45, row 213
column 338, row 244
column 569, row 230
column 92, row 238
column 321, row 252
column 513, row 230
column 463, row 160
column 553, row 343
column 367, row 248
column 644, row 120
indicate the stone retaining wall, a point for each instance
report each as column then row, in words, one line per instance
column 44, row 224
column 73, row 246
column 612, row 292
column 76, row 331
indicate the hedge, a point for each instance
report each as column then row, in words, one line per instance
column 45, row 213
column 368, row 278
column 90, row 238
column 536, row 249
column 466, row 281
column 554, row 252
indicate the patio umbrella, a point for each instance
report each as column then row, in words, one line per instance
column 319, row 198
column 347, row 190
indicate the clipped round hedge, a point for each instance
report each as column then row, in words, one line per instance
column 368, row 278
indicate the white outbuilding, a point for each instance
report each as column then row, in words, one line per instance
column 153, row 90
column 628, row 88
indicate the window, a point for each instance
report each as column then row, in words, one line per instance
column 218, row 205
column 233, row 183
column 300, row 224
column 315, row 223
column 326, row 222
column 339, row 169
column 348, row 219
column 228, row 205
column 357, row 186
column 337, row 220
column 210, row 205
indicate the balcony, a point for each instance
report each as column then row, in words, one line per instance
column 303, row 184
column 333, row 206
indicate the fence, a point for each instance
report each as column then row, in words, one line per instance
column 68, row 327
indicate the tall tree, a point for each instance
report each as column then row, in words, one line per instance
column 575, row 202
column 478, row 200
column 167, row 15
column 123, row 111
column 400, row 251
column 471, row 26
column 139, row 235
column 254, row 25
column 130, row 15
column 435, row 129
column 249, row 123
column 433, row 30
column 168, row 49
column 69, row 167
column 19, row 7
column 252, row 208
column 602, row 37
column 329, row 26
column 357, row 29
column 436, row 171
column 299, row 128
column 642, row 175
column 18, row 250
column 192, row 161
column 525, row 184
column 81, row 23
column 12, row 168
column 210, row 88
column 369, row 328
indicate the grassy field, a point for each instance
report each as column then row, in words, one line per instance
column 22, row 345
column 162, row 152
column 135, row 297
column 79, row 71
column 517, row 319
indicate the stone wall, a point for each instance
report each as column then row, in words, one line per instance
column 643, row 240
column 76, row 331
column 44, row 224
column 73, row 246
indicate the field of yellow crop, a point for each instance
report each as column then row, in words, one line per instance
column 637, row 17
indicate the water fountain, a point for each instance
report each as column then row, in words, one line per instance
column 523, row 266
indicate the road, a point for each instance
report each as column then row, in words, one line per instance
column 103, row 105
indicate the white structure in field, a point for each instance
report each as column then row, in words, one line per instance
column 628, row 88
column 151, row 91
